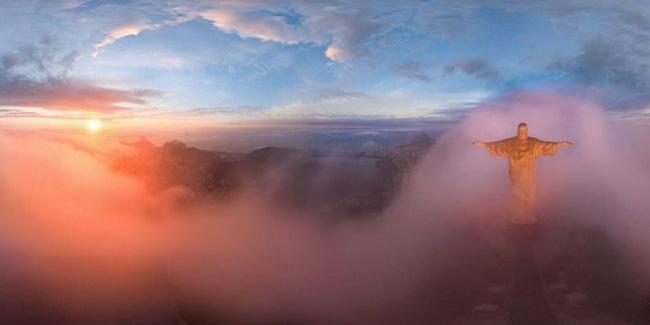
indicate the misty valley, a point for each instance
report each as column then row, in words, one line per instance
column 401, row 227
column 324, row 162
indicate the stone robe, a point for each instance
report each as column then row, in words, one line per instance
column 521, row 156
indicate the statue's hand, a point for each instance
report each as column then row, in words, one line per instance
column 479, row 144
column 565, row 144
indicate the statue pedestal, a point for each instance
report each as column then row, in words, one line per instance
column 528, row 301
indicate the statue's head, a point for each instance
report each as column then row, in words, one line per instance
column 522, row 131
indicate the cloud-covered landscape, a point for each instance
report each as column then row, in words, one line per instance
column 324, row 162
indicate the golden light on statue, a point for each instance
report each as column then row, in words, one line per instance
column 522, row 151
column 93, row 125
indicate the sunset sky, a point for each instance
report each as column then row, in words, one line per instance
column 214, row 61
column 324, row 162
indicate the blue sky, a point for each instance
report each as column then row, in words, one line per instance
column 324, row 59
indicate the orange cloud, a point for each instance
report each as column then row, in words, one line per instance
column 67, row 95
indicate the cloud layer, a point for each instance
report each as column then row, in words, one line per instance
column 38, row 76
column 268, row 53
column 105, row 247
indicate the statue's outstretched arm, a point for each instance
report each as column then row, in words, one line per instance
column 495, row 148
column 479, row 144
column 550, row 148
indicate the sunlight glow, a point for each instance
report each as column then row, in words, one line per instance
column 93, row 125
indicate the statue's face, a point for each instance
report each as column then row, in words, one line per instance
column 522, row 132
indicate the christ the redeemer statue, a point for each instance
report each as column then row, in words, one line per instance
column 522, row 151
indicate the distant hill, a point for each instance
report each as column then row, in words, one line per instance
column 355, row 183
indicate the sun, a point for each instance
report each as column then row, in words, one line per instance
column 93, row 125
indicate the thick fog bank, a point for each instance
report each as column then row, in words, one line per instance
column 88, row 240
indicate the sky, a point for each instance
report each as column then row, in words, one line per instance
column 143, row 62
